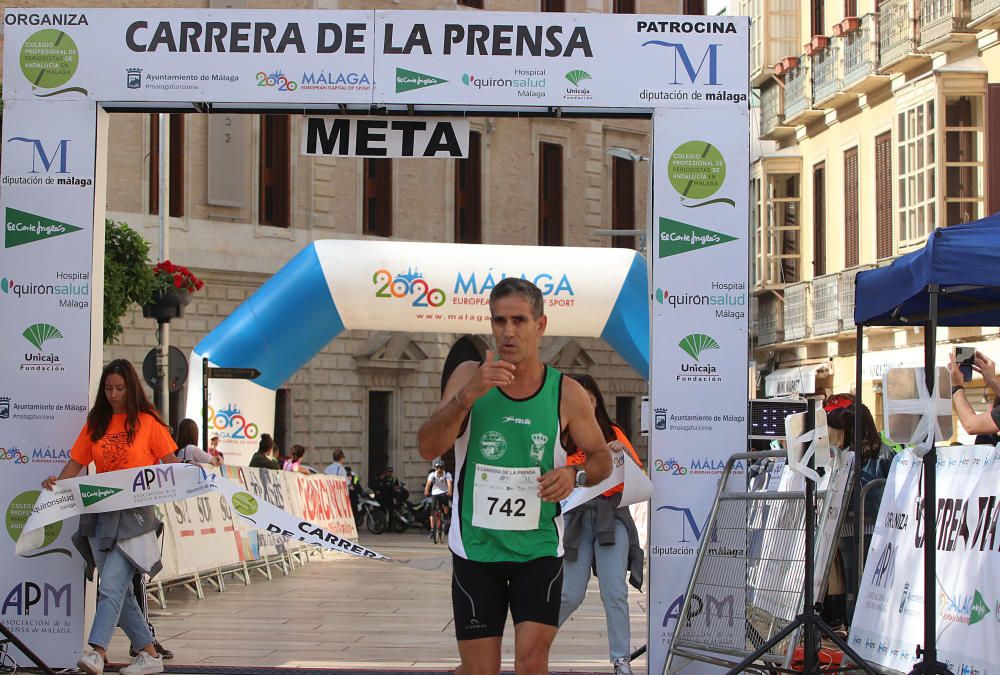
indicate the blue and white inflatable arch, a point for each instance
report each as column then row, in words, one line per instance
column 336, row 285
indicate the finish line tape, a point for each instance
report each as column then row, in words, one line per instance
column 128, row 488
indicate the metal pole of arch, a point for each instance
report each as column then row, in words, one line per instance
column 163, row 328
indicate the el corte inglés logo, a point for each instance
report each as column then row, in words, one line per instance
column 26, row 228
column 677, row 237
column 91, row 494
column 408, row 80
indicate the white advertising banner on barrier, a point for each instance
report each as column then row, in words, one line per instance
column 47, row 285
column 888, row 622
column 698, row 360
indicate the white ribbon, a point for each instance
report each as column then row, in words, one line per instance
column 161, row 483
column 819, row 445
column 929, row 407
column 637, row 486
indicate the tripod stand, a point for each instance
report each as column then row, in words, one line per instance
column 809, row 620
column 10, row 638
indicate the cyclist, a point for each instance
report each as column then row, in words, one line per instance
column 438, row 487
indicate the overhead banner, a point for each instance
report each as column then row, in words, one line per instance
column 385, row 137
column 888, row 622
column 511, row 59
column 698, row 368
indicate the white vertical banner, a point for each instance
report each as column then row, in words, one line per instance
column 47, row 290
column 698, row 361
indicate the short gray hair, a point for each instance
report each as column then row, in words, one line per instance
column 522, row 287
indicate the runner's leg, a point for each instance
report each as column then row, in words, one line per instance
column 479, row 657
column 531, row 647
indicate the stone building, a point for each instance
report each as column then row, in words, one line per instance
column 528, row 180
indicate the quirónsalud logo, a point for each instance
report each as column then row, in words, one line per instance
column 25, row 228
column 677, row 237
column 408, row 80
column 91, row 494
column 696, row 343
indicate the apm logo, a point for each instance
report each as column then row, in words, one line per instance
column 720, row 609
column 683, row 60
column 39, row 155
column 28, row 595
column 147, row 479
column 885, row 568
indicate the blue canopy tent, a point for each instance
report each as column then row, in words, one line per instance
column 954, row 280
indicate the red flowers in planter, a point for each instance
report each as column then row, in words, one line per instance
column 168, row 275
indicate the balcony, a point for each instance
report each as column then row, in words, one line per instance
column 985, row 14
column 797, row 311
column 798, row 102
column 899, row 37
column 772, row 120
column 826, row 305
column 774, row 34
column 827, row 85
column 944, row 24
column 770, row 319
column 846, row 292
column 859, row 58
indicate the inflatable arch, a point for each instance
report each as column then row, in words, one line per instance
column 337, row 285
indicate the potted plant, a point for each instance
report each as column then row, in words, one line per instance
column 838, row 29
column 174, row 285
column 818, row 43
column 779, row 68
column 850, row 24
column 128, row 276
column 790, row 62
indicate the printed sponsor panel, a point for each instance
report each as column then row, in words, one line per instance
column 175, row 55
column 888, row 622
column 495, row 58
column 47, row 202
column 488, row 58
column 699, row 354
column 450, row 285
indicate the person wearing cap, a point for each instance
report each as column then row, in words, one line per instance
column 386, row 488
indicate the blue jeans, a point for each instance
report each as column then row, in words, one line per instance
column 116, row 603
column 612, row 564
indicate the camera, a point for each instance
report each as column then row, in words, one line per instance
column 964, row 357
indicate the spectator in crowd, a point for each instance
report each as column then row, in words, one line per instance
column 213, row 447
column 353, row 489
column 387, row 489
column 187, row 445
column 602, row 537
column 264, row 457
column 337, row 467
column 294, row 461
column 123, row 431
column 987, row 424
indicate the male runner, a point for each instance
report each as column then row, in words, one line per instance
column 508, row 418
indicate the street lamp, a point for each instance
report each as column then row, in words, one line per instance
column 632, row 156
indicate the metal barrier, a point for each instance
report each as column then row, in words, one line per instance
column 747, row 583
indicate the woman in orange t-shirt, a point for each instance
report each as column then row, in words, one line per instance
column 602, row 536
column 123, row 431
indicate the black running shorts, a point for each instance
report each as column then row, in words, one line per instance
column 482, row 592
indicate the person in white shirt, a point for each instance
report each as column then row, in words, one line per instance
column 187, row 445
column 439, row 488
column 337, row 468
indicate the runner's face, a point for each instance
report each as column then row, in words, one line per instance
column 516, row 331
column 114, row 391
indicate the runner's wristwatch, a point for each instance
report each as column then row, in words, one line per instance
column 581, row 478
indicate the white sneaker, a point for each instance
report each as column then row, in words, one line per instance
column 143, row 664
column 91, row 663
column 622, row 667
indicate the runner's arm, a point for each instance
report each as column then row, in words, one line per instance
column 576, row 409
column 469, row 381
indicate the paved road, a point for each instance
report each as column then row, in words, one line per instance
column 350, row 613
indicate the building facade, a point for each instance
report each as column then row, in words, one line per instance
column 242, row 201
column 878, row 122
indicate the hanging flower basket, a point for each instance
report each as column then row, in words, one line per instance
column 175, row 284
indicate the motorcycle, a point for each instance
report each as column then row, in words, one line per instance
column 371, row 513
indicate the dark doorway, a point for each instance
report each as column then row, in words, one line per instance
column 379, row 404
column 283, row 420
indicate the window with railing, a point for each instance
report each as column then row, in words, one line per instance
column 778, row 249
column 963, row 159
column 916, row 181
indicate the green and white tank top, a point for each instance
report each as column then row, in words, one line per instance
column 507, row 444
